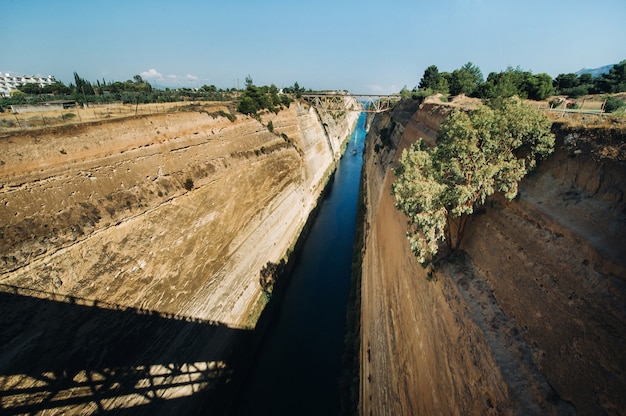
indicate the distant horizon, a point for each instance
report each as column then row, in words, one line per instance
column 362, row 46
column 160, row 86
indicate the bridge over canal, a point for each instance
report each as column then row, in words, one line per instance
column 334, row 102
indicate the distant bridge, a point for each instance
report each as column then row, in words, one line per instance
column 334, row 102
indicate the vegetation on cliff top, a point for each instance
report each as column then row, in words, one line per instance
column 468, row 80
column 259, row 98
column 139, row 91
column 478, row 153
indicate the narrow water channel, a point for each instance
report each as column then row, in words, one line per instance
column 298, row 367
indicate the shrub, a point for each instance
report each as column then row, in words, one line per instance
column 477, row 153
column 269, row 274
column 575, row 92
column 229, row 116
column 247, row 106
column 188, row 184
column 285, row 100
column 555, row 102
column 613, row 104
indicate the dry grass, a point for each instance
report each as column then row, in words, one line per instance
column 588, row 113
column 10, row 122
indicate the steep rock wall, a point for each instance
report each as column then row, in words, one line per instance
column 169, row 216
column 527, row 319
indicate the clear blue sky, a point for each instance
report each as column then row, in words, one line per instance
column 363, row 46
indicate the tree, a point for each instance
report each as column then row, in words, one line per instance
column 565, row 81
column 616, row 78
column 247, row 106
column 430, row 79
column 56, row 87
column 585, row 79
column 297, row 90
column 30, row 88
column 613, row 104
column 477, row 153
column 208, row 88
column 500, row 85
column 249, row 81
column 405, row 93
column 539, row 87
column 83, row 87
column 466, row 79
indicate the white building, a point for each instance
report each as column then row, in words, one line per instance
column 10, row 82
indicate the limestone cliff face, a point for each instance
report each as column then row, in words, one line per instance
column 169, row 215
column 528, row 318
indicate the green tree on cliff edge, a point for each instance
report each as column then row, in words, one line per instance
column 477, row 153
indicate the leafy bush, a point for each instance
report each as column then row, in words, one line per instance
column 613, row 104
column 575, row 92
column 229, row 116
column 269, row 274
column 555, row 102
column 247, row 106
column 477, row 153
column 188, row 184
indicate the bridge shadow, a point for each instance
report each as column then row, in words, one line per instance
column 63, row 355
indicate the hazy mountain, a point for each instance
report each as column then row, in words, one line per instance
column 595, row 72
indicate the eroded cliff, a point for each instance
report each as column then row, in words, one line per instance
column 529, row 317
column 131, row 251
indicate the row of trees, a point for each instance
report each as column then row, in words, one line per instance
column 130, row 91
column 574, row 85
column 83, row 88
column 252, row 99
column 482, row 151
column 469, row 80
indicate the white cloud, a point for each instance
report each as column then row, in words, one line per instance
column 171, row 80
column 151, row 73
column 379, row 89
column 374, row 88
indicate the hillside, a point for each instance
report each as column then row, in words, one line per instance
column 528, row 317
column 595, row 72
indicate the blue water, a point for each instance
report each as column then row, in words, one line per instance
column 299, row 364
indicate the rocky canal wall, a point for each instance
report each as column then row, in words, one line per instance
column 529, row 317
column 131, row 250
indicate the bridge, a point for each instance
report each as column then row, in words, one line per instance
column 334, row 102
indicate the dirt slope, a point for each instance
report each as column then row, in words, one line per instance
column 131, row 251
column 527, row 319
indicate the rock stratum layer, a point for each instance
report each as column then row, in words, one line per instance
column 529, row 318
column 131, row 252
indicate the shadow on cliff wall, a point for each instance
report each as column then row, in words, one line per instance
column 78, row 356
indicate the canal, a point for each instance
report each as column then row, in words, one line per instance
column 298, row 366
